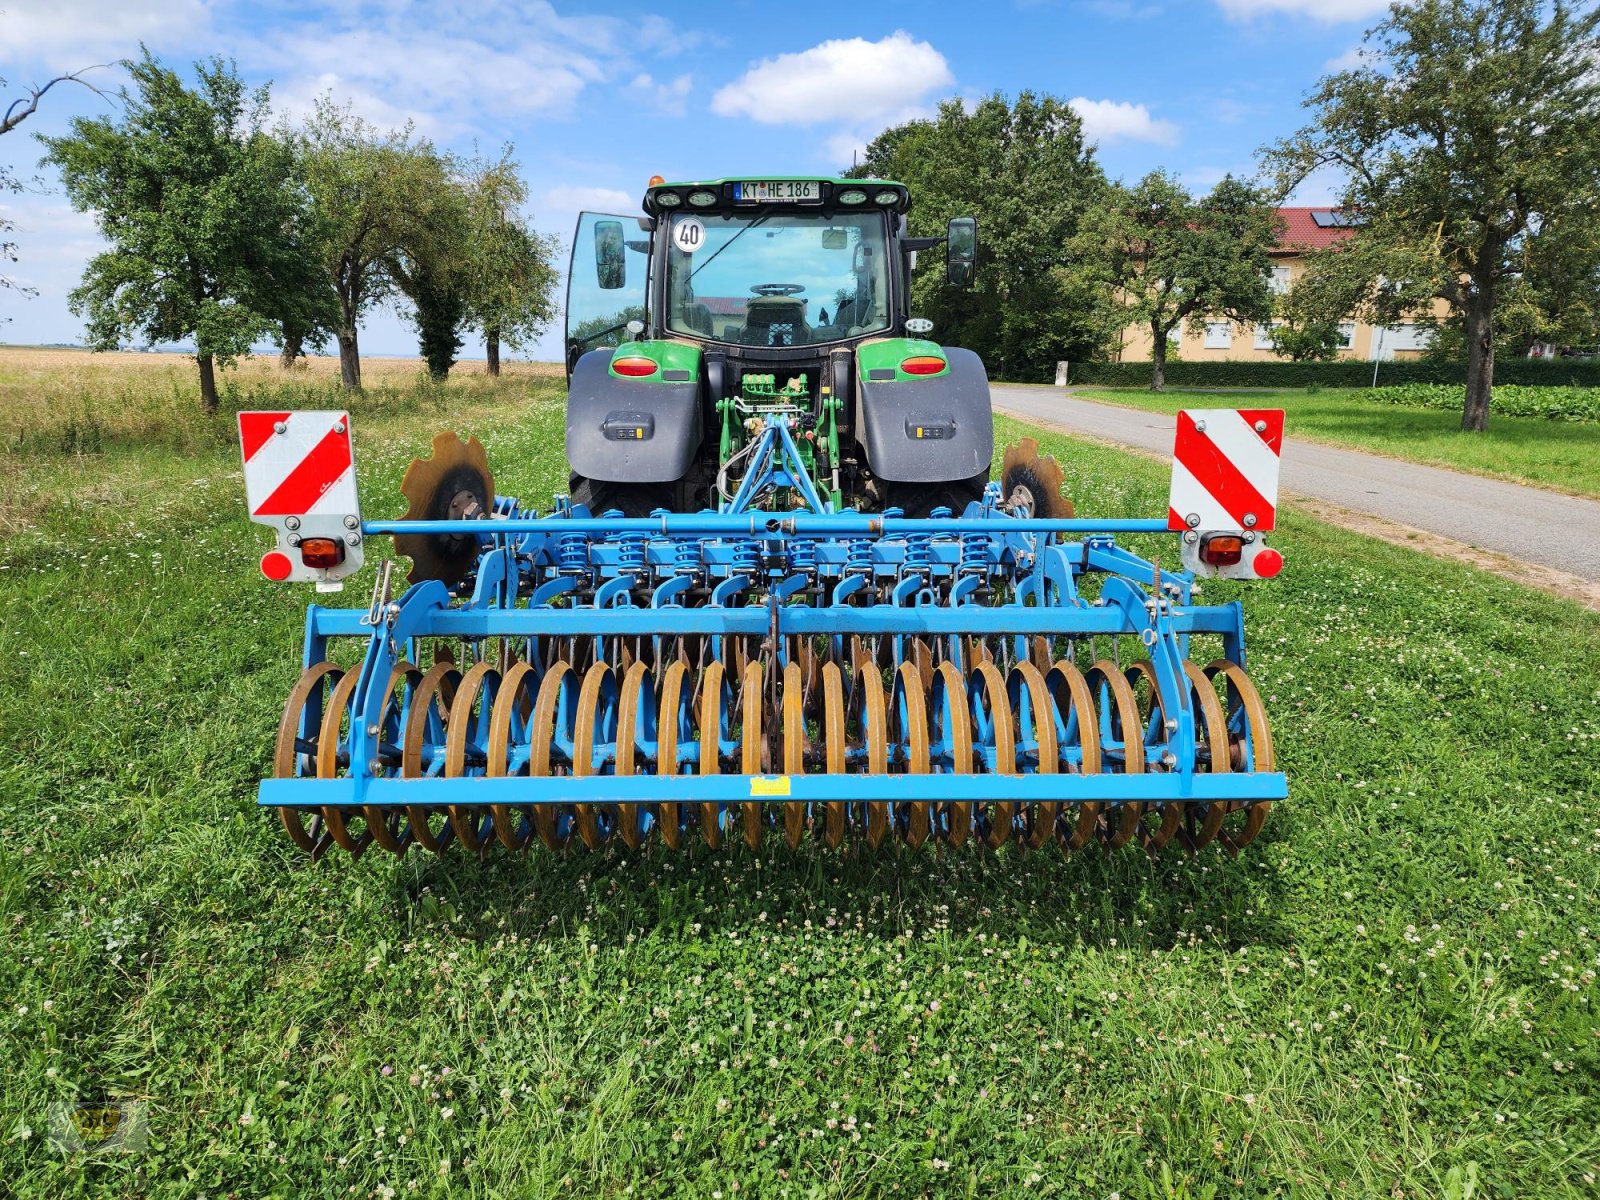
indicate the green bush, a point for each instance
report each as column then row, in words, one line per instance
column 1552, row 403
column 1346, row 373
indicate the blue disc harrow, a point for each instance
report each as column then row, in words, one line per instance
column 772, row 670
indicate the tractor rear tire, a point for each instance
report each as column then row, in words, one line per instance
column 918, row 500
column 633, row 499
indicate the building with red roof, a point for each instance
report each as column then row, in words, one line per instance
column 1304, row 230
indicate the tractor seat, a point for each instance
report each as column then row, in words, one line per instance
column 776, row 321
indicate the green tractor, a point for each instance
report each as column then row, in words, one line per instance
column 733, row 302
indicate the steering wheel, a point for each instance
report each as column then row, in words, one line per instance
column 778, row 289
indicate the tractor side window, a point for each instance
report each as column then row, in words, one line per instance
column 607, row 280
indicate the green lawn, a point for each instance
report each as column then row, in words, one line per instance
column 1391, row 993
column 1553, row 454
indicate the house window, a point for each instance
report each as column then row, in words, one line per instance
column 1264, row 334
column 1347, row 335
column 1406, row 337
column 1278, row 281
column 1219, row 335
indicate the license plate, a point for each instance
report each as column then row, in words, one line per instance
column 778, row 191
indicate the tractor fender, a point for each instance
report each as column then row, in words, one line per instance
column 929, row 430
column 630, row 430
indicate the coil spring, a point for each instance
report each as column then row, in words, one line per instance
column 686, row 554
column 919, row 553
column 974, row 553
column 858, row 556
column 803, row 557
column 572, row 554
column 633, row 557
column 747, row 557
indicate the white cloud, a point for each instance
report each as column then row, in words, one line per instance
column 669, row 99
column 1327, row 11
column 847, row 79
column 71, row 34
column 574, row 199
column 1107, row 121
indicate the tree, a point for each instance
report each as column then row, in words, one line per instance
column 1025, row 172
column 1165, row 258
column 368, row 189
column 510, row 275
column 1471, row 128
column 202, row 210
column 18, row 111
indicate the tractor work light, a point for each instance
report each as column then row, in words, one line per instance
column 853, row 196
column 702, row 198
column 634, row 366
column 886, row 197
column 1222, row 549
column 321, row 552
column 922, row 364
column 668, row 199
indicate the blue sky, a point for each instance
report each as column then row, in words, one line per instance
column 596, row 99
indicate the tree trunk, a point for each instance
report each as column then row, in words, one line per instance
column 349, row 359
column 208, row 383
column 293, row 348
column 491, row 347
column 1158, row 373
column 1480, row 362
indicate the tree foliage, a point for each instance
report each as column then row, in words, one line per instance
column 1025, row 172
column 510, row 273
column 1164, row 258
column 373, row 194
column 203, row 209
column 1470, row 140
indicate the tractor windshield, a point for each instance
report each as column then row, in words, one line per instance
column 777, row 278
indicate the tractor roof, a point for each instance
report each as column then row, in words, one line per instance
column 829, row 188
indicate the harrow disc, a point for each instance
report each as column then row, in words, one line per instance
column 1034, row 481
column 454, row 483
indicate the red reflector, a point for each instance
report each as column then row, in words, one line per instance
column 923, row 364
column 276, row 567
column 1268, row 563
column 1222, row 550
column 634, row 367
column 321, row 552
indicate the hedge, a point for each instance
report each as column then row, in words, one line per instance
column 1351, row 373
column 1552, row 403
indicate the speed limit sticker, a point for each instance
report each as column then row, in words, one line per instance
column 689, row 234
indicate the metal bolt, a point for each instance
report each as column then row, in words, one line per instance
column 372, row 731
column 1249, row 520
column 1169, row 759
column 294, row 539
column 1191, row 537
column 1199, row 426
column 1193, row 520
column 291, row 522
column 353, row 539
column 374, row 767
column 280, row 427
column 1261, row 426
column 339, row 427
column 352, row 521
column 1172, row 725
column 1249, row 537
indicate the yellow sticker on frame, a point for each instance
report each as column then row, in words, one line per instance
column 769, row 785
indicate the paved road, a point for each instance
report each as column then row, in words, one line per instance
column 1529, row 524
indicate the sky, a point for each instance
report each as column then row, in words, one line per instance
column 598, row 98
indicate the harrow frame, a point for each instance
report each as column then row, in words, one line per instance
column 994, row 575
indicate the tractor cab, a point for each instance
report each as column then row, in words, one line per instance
column 733, row 302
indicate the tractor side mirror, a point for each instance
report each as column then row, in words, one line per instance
column 961, row 251
column 610, row 255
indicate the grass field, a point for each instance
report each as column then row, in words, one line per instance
column 1392, row 993
column 1551, row 454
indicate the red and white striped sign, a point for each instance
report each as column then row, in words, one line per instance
column 1225, row 469
column 297, row 464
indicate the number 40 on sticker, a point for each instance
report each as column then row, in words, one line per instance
column 689, row 234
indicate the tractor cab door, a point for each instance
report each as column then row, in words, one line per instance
column 608, row 279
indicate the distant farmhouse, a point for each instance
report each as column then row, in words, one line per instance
column 1304, row 230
